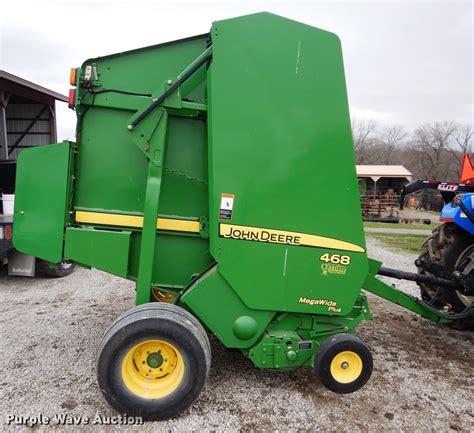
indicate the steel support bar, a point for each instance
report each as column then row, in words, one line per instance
column 28, row 128
column 135, row 103
column 373, row 285
column 377, row 287
column 420, row 278
column 147, row 247
column 3, row 125
column 187, row 73
column 156, row 153
column 52, row 123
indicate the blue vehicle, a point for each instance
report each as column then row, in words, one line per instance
column 448, row 254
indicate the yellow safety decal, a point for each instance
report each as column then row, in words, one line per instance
column 273, row 236
column 121, row 220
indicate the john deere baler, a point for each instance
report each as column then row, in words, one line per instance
column 218, row 173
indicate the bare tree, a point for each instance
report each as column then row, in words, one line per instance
column 434, row 144
column 392, row 138
column 464, row 141
column 432, row 151
column 364, row 136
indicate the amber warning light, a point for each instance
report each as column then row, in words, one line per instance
column 73, row 76
column 72, row 92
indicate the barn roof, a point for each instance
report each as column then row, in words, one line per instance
column 27, row 89
column 375, row 172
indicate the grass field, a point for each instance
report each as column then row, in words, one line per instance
column 431, row 226
column 400, row 242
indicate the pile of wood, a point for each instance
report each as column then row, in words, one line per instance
column 383, row 205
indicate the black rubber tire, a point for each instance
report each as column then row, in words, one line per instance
column 154, row 321
column 328, row 351
column 152, row 306
column 444, row 247
column 62, row 269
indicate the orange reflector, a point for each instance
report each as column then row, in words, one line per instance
column 72, row 76
column 71, row 98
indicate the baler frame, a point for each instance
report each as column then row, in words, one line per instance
column 276, row 276
column 154, row 150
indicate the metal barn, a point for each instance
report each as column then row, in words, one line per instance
column 27, row 115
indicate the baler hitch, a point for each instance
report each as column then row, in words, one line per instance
column 419, row 278
column 390, row 293
column 428, row 307
column 440, row 277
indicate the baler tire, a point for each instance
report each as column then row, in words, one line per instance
column 62, row 269
column 444, row 247
column 343, row 363
column 146, row 330
column 151, row 306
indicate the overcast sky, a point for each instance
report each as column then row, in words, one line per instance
column 406, row 62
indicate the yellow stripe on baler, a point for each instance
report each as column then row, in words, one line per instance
column 275, row 236
column 121, row 220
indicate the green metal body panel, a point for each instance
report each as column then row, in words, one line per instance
column 112, row 170
column 239, row 326
column 202, row 169
column 279, row 135
column 102, row 249
column 229, row 310
column 40, row 202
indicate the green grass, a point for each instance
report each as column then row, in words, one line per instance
column 400, row 243
column 431, row 226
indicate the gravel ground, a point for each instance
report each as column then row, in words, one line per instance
column 412, row 213
column 51, row 329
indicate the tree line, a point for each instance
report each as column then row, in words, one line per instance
column 433, row 151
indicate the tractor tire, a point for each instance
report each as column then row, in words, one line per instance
column 62, row 269
column 447, row 246
column 153, row 361
column 343, row 363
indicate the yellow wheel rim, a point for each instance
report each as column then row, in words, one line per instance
column 152, row 369
column 346, row 367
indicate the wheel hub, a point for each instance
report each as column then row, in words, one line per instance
column 154, row 360
column 152, row 369
column 346, row 367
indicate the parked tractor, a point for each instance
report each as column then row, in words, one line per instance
column 201, row 172
column 449, row 252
